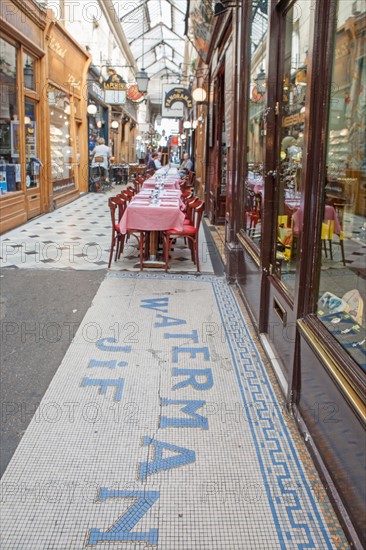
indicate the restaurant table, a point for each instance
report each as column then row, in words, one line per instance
column 150, row 184
column 143, row 215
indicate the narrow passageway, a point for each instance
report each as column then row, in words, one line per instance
column 163, row 426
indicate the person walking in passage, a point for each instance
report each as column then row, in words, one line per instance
column 101, row 151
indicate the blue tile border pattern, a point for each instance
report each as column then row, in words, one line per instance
column 272, row 446
column 144, row 439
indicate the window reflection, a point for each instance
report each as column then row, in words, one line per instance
column 343, row 264
column 294, row 90
column 10, row 169
column 28, row 72
column 254, row 186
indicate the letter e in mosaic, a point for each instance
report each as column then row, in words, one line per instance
column 168, row 321
column 192, row 351
column 121, row 530
column 181, row 457
column 193, row 374
column 156, row 304
column 101, row 344
column 104, row 384
column 190, row 408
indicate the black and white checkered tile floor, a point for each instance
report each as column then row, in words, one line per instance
column 78, row 236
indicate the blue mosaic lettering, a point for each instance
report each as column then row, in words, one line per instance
column 118, row 383
column 101, row 345
column 192, row 351
column 184, row 456
column 191, row 381
column 194, row 336
column 108, row 364
column 169, row 321
column 156, row 304
column 197, row 421
column 121, row 530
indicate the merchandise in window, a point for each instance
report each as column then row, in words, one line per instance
column 61, row 144
column 10, row 168
column 294, row 92
column 254, row 186
column 342, row 288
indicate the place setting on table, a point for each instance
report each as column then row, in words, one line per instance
column 157, row 207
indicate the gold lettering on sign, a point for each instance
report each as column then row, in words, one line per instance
column 74, row 83
column 57, row 48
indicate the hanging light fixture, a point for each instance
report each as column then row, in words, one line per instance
column 28, row 75
column 261, row 81
column 142, row 78
column 114, row 124
column 199, row 95
column 187, row 125
column 92, row 108
column 221, row 6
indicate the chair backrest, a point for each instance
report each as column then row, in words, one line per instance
column 99, row 159
column 118, row 206
column 199, row 208
column 125, row 195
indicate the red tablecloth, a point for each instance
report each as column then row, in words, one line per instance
column 169, row 184
column 141, row 214
column 329, row 214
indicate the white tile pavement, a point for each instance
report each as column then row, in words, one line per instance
column 78, row 236
column 112, row 459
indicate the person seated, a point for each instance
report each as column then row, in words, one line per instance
column 186, row 165
column 101, row 150
column 154, row 163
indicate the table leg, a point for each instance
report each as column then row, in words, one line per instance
column 153, row 261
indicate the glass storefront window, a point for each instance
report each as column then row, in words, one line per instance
column 29, row 72
column 61, row 144
column 342, row 290
column 31, row 157
column 294, row 90
column 254, row 186
column 10, row 172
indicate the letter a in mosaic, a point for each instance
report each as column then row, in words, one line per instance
column 181, row 457
column 196, row 420
column 121, row 530
column 169, row 321
column 156, row 304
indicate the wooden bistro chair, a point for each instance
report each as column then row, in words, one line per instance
column 117, row 206
column 189, row 232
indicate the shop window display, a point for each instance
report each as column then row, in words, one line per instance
column 342, row 289
column 294, row 92
column 254, row 186
column 10, row 169
column 61, row 144
column 32, row 163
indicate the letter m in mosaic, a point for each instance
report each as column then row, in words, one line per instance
column 121, row 530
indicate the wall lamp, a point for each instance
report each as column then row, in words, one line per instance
column 199, row 95
column 221, row 6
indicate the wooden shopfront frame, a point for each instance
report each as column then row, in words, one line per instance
column 318, row 368
column 25, row 32
column 67, row 72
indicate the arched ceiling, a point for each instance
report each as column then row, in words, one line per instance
column 155, row 32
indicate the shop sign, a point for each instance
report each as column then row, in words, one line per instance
column 202, row 24
column 66, row 61
column 134, row 94
column 115, row 89
column 292, row 120
column 178, row 94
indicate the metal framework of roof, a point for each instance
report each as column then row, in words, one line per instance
column 155, row 32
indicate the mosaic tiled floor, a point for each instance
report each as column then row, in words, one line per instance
column 78, row 236
column 161, row 429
